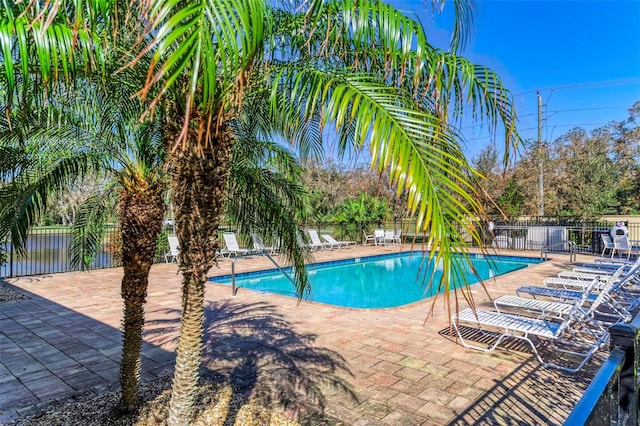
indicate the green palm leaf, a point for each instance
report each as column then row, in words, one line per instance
column 89, row 229
column 212, row 42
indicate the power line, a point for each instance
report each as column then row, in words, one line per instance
column 579, row 124
column 589, row 109
column 497, row 135
column 575, row 86
column 557, row 111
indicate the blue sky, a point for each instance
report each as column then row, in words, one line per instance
column 583, row 57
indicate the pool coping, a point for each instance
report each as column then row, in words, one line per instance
column 358, row 259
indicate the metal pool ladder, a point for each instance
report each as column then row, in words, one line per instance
column 234, row 289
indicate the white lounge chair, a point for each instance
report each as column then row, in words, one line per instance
column 606, row 266
column 231, row 245
column 536, row 307
column 259, row 246
column 317, row 243
column 611, row 307
column 621, row 295
column 577, row 334
column 174, row 250
column 579, row 280
column 339, row 244
column 308, row 246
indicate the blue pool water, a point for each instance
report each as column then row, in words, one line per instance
column 372, row 282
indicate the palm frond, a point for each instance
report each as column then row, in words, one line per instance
column 89, row 229
column 265, row 196
column 375, row 38
column 462, row 24
column 50, row 45
column 424, row 156
column 203, row 48
column 24, row 200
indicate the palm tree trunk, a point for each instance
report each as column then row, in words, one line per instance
column 199, row 174
column 141, row 212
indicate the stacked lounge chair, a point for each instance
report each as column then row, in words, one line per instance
column 571, row 312
column 576, row 334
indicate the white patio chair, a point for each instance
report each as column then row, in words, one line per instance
column 174, row 250
column 379, row 236
column 368, row 238
column 621, row 245
column 608, row 244
column 339, row 244
column 389, row 237
column 231, row 245
column 576, row 334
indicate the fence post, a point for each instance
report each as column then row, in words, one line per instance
column 625, row 337
column 11, row 261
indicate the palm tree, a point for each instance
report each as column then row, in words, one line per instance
column 360, row 67
column 333, row 64
column 93, row 134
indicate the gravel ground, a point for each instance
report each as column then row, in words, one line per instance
column 8, row 294
column 217, row 404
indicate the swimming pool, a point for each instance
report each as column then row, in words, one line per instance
column 382, row 281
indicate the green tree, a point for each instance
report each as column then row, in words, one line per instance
column 357, row 216
column 492, row 182
column 360, row 67
column 511, row 201
column 89, row 132
column 537, row 158
column 625, row 149
column 584, row 178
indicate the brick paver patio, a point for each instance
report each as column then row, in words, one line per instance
column 399, row 369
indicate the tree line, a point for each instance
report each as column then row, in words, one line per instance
column 585, row 175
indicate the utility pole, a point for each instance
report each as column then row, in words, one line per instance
column 540, row 157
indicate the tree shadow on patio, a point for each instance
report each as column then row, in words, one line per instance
column 252, row 348
column 530, row 394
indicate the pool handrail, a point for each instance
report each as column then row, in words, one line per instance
column 234, row 289
column 572, row 250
